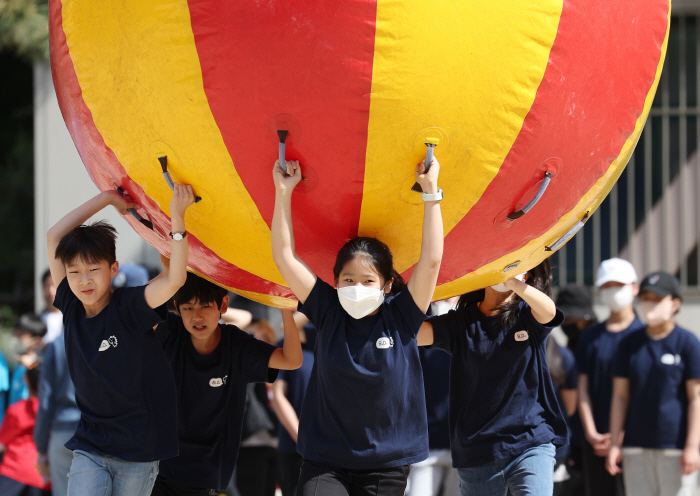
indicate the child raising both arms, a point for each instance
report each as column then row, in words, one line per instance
column 363, row 420
column 123, row 383
column 504, row 415
column 213, row 364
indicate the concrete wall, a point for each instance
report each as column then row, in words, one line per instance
column 61, row 183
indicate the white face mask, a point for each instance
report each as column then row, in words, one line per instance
column 657, row 313
column 617, row 298
column 501, row 287
column 360, row 301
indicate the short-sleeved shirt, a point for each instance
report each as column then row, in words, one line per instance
column 211, row 400
column 502, row 400
column 123, row 383
column 296, row 381
column 365, row 403
column 19, row 461
column 595, row 354
column 657, row 411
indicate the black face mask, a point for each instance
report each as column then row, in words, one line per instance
column 572, row 332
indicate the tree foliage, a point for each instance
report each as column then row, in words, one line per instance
column 24, row 28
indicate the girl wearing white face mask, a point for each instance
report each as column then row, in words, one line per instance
column 363, row 421
column 656, row 398
column 504, row 415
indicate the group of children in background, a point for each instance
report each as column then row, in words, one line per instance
column 163, row 395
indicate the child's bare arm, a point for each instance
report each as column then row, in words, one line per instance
column 542, row 306
column 424, row 278
column 76, row 218
column 236, row 316
column 161, row 289
column 618, row 414
column 425, row 335
column 690, row 460
column 296, row 273
column 289, row 357
column 284, row 409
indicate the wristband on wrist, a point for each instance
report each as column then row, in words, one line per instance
column 432, row 196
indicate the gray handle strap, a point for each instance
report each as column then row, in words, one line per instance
column 568, row 234
column 283, row 154
column 282, row 150
column 533, row 202
column 429, row 152
column 164, row 165
column 135, row 214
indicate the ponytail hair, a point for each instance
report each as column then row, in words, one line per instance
column 540, row 278
column 375, row 253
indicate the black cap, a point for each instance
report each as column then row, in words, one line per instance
column 661, row 284
column 576, row 302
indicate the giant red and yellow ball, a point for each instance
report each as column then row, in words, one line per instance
column 510, row 88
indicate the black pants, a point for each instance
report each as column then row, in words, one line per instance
column 288, row 468
column 597, row 480
column 256, row 470
column 165, row 487
column 317, row 479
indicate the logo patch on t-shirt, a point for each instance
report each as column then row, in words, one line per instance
column 106, row 344
column 521, row 336
column 384, row 343
column 669, row 359
column 217, row 381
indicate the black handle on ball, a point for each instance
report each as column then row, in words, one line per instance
column 135, row 214
column 533, row 202
column 164, row 165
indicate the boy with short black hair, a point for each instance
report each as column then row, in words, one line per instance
column 656, row 398
column 123, row 384
column 212, row 364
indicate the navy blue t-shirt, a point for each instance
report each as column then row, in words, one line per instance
column 296, row 380
column 502, row 400
column 595, row 354
column 211, row 400
column 365, row 402
column 123, row 383
column 436, row 378
column 657, row 412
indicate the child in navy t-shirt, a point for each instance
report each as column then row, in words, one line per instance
column 656, row 398
column 363, row 420
column 123, row 384
column 504, row 414
column 595, row 357
column 212, row 364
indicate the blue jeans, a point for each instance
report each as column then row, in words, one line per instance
column 102, row 475
column 529, row 473
column 60, row 459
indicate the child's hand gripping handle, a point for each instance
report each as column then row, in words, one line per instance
column 282, row 154
column 164, row 165
column 135, row 214
column 430, row 144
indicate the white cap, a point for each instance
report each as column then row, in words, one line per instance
column 616, row 269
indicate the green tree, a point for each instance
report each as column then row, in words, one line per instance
column 24, row 28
